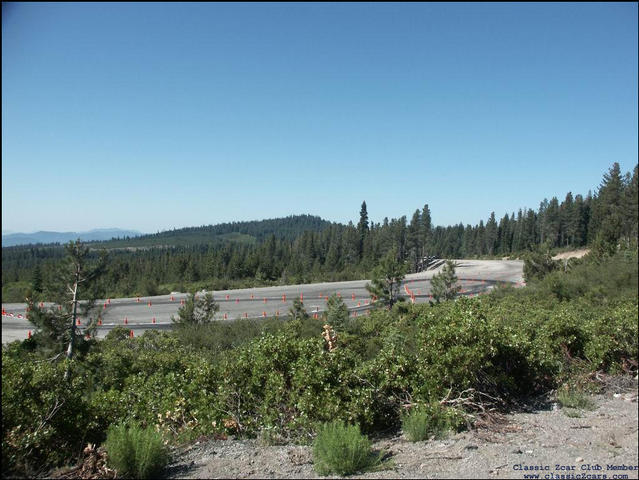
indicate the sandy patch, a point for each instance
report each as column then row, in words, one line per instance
column 572, row 254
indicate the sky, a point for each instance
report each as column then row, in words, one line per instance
column 159, row 116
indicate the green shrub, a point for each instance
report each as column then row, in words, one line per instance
column 431, row 420
column 135, row 452
column 343, row 450
column 538, row 263
column 612, row 338
column 15, row 292
column 270, row 436
column 574, row 399
column 572, row 412
column 45, row 420
column 287, row 382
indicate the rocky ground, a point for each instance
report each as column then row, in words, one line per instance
column 503, row 446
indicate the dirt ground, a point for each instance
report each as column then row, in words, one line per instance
column 543, row 440
column 572, row 254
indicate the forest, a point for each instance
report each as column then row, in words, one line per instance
column 305, row 249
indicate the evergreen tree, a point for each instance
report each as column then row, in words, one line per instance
column 350, row 245
column 36, row 280
column 426, row 229
column 518, row 243
column 413, row 240
column 568, row 220
column 333, row 261
column 541, row 218
column 297, row 311
column 480, row 239
column 630, row 208
column 504, row 235
column 491, row 235
column 387, row 279
column 398, row 229
column 538, row 262
column 468, row 247
column 551, row 222
column 72, row 289
column 580, row 221
column 444, row 284
column 362, row 228
column 607, row 215
column 336, row 312
column 196, row 311
column 530, row 232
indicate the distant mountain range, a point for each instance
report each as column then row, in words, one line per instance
column 13, row 239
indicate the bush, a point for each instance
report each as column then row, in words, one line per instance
column 444, row 284
column 343, row 450
column 432, row 420
column 612, row 338
column 45, row 420
column 574, row 399
column 15, row 292
column 196, row 311
column 538, row 263
column 136, row 452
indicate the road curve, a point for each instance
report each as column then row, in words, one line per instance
column 143, row 313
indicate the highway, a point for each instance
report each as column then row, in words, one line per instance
column 143, row 313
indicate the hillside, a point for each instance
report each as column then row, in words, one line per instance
column 248, row 232
column 43, row 237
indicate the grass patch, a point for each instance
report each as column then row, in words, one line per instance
column 342, row 449
column 136, row 452
column 269, row 436
column 575, row 400
column 428, row 421
column 572, row 412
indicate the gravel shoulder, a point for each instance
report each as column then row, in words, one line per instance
column 545, row 440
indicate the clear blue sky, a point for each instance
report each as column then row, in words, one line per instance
column 154, row 116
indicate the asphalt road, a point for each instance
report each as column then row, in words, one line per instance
column 475, row 277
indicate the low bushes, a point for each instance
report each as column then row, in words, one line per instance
column 433, row 420
column 278, row 377
column 341, row 449
column 135, row 452
column 568, row 398
column 44, row 419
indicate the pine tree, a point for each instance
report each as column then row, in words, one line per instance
column 297, row 311
column 413, row 240
column 480, row 239
column 518, row 243
column 541, row 218
column 606, row 223
column 398, row 229
column 467, row 242
column 387, row 279
column 72, row 289
column 580, row 221
column 491, row 234
column 362, row 228
column 568, row 221
column 425, row 232
column 444, row 284
column 336, row 312
column 36, row 280
column 551, row 222
column 630, row 204
column 196, row 311
column 504, row 235
column 350, row 245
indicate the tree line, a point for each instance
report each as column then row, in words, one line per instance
column 302, row 249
